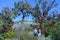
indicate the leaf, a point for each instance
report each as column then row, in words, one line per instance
column 39, row 1
column 15, row 4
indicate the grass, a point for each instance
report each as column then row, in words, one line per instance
column 25, row 35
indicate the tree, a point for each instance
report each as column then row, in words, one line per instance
column 39, row 12
column 5, row 20
column 22, row 7
column 56, row 32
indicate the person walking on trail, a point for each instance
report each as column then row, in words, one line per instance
column 35, row 32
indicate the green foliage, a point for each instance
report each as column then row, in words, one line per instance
column 56, row 32
column 9, row 34
column 50, row 31
column 1, row 38
column 1, row 22
column 37, row 13
column 39, row 1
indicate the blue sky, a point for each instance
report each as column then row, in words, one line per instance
column 10, row 3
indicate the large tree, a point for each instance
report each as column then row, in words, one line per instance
column 39, row 12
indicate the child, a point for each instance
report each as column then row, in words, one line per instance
column 35, row 32
column 39, row 32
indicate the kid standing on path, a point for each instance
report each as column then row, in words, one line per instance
column 35, row 32
column 39, row 33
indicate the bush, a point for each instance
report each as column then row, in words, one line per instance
column 7, row 35
column 56, row 33
column 1, row 38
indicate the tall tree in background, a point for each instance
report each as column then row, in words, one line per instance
column 42, row 8
column 39, row 12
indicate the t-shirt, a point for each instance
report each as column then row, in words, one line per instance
column 39, row 32
column 35, row 31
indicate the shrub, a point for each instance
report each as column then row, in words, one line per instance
column 9, row 34
column 56, row 33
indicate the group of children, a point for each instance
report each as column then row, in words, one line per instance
column 37, row 32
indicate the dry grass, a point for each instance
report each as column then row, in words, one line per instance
column 25, row 35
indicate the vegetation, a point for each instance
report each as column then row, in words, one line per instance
column 39, row 13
